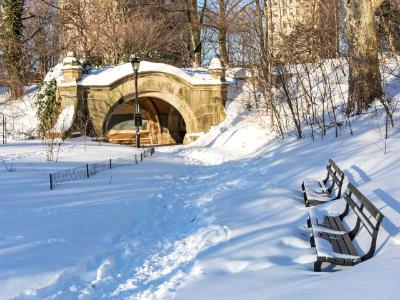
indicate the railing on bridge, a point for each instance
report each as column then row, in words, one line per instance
column 88, row 170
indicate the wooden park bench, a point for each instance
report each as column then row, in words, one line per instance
column 320, row 191
column 336, row 237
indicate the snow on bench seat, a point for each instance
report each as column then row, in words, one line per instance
column 326, row 249
column 316, row 185
column 318, row 214
column 320, row 191
column 313, row 196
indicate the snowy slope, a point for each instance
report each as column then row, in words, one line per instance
column 203, row 229
column 268, row 255
column 220, row 219
column 21, row 115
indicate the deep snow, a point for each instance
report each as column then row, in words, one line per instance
column 220, row 219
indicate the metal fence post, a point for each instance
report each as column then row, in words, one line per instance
column 110, row 164
column 87, row 170
column 51, row 182
column 141, row 156
column 4, row 130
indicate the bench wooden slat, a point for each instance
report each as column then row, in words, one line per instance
column 331, row 238
column 350, row 249
column 336, row 167
column 367, row 204
column 334, row 243
column 334, row 177
column 338, row 238
column 358, row 210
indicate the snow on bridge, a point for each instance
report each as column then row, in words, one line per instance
column 177, row 104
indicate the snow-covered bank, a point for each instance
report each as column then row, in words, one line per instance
column 220, row 219
column 192, row 225
column 21, row 115
column 268, row 255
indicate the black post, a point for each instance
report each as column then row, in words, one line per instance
column 3, row 135
column 135, row 62
column 110, row 164
column 51, row 182
column 137, row 110
column 141, row 156
column 5, row 129
column 135, row 159
column 87, row 170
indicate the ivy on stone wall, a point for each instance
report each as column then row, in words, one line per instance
column 45, row 102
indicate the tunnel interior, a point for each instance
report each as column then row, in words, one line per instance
column 162, row 123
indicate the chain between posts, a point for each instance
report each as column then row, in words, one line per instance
column 89, row 170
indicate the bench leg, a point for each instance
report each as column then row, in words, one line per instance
column 312, row 241
column 317, row 266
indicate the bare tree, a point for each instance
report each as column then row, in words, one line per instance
column 12, row 44
column 195, row 18
column 151, row 30
column 222, row 15
column 365, row 78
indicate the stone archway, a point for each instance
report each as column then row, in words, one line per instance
column 199, row 100
column 162, row 123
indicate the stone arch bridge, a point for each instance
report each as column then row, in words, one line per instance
column 177, row 105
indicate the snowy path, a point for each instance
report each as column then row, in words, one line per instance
column 130, row 231
column 191, row 223
column 46, row 233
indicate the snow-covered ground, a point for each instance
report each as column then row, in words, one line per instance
column 20, row 115
column 220, row 219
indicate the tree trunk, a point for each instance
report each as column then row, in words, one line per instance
column 222, row 33
column 364, row 78
column 12, row 37
column 263, row 53
column 195, row 23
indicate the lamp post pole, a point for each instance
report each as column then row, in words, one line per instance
column 4, row 128
column 137, row 110
column 135, row 62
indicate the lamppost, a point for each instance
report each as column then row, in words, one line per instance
column 135, row 62
column 4, row 129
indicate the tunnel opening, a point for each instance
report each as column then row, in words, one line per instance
column 162, row 123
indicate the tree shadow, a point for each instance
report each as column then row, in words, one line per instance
column 391, row 228
column 364, row 177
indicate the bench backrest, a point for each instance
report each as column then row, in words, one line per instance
column 337, row 176
column 371, row 222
